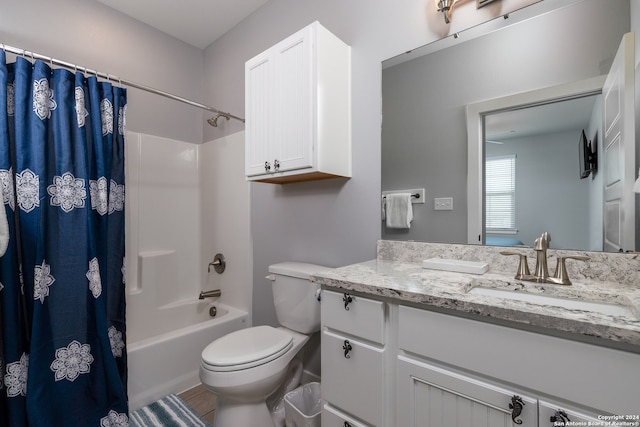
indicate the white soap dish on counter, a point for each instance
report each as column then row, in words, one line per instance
column 456, row 265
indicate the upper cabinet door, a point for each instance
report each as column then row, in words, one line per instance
column 619, row 150
column 294, row 135
column 260, row 110
column 298, row 109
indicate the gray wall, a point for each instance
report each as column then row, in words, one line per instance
column 92, row 35
column 337, row 222
column 424, row 133
column 547, row 172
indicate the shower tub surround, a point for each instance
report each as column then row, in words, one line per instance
column 397, row 273
column 174, row 227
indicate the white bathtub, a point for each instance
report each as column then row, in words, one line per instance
column 167, row 359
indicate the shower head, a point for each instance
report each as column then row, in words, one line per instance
column 213, row 121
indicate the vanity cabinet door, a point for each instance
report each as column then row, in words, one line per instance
column 555, row 414
column 429, row 396
column 352, row 377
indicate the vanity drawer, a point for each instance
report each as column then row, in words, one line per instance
column 353, row 381
column 353, row 315
column 332, row 417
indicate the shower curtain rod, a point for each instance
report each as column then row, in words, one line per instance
column 25, row 53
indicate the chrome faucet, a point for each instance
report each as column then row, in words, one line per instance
column 210, row 294
column 541, row 275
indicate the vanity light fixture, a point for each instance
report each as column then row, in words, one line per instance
column 446, row 7
column 636, row 186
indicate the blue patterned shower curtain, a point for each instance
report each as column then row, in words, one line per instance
column 62, row 294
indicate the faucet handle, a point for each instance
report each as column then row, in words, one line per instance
column 523, row 266
column 561, row 277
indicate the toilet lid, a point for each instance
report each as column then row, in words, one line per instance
column 246, row 348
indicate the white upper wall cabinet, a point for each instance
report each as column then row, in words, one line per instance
column 298, row 109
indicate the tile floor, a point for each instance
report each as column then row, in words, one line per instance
column 202, row 400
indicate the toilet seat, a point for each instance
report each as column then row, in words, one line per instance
column 246, row 349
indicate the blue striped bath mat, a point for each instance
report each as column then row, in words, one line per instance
column 170, row 411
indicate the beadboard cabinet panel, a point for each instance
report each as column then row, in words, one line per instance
column 429, row 396
column 259, row 104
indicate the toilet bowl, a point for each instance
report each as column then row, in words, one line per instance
column 245, row 367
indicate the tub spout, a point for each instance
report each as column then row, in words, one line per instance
column 210, row 294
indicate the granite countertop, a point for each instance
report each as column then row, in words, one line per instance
column 408, row 282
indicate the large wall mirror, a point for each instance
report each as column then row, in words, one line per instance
column 425, row 137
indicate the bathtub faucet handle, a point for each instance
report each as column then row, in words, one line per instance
column 218, row 263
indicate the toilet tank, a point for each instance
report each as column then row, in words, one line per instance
column 295, row 296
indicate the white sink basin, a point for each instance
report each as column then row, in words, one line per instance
column 570, row 304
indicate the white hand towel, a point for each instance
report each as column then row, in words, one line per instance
column 4, row 226
column 398, row 210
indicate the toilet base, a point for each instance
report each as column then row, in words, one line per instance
column 230, row 414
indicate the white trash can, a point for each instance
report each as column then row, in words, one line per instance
column 303, row 406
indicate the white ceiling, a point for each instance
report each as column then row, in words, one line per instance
column 543, row 119
column 196, row 22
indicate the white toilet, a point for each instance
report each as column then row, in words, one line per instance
column 245, row 367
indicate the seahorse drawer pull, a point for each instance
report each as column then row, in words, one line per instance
column 347, row 299
column 347, row 348
column 516, row 408
column 560, row 418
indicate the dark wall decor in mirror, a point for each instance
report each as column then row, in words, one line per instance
column 588, row 157
column 425, row 134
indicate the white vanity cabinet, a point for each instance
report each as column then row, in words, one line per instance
column 353, row 360
column 420, row 368
column 298, row 109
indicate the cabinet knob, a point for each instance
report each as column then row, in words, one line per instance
column 276, row 165
column 560, row 418
column 346, row 424
column 516, row 408
column 347, row 300
column 347, row 348
column 267, row 166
